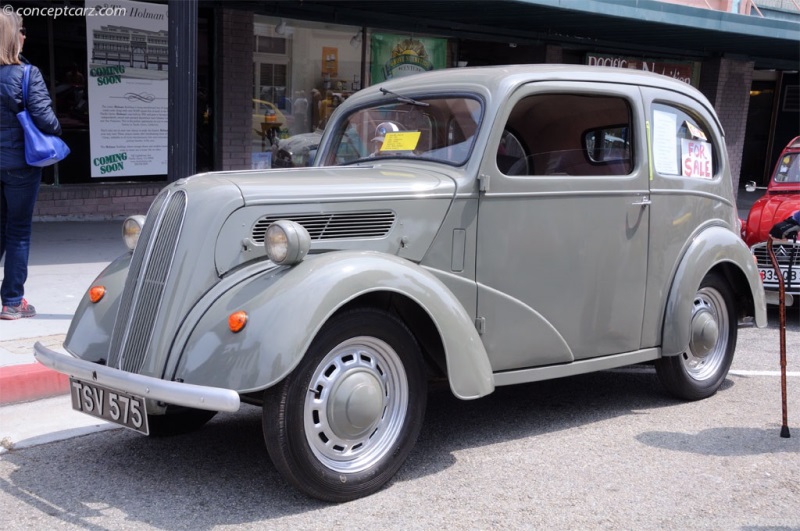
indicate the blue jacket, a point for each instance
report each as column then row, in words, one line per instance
column 12, row 142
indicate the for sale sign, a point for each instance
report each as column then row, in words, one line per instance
column 696, row 159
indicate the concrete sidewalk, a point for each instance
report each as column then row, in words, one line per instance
column 65, row 258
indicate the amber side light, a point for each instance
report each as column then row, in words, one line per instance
column 96, row 293
column 237, row 320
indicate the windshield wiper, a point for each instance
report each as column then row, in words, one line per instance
column 404, row 99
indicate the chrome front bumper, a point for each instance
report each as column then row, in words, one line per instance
column 176, row 393
column 773, row 297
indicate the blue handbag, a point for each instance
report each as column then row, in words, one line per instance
column 40, row 149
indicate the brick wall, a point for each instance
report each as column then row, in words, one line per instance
column 726, row 83
column 553, row 54
column 234, row 87
column 94, row 202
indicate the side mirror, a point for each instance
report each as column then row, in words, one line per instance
column 750, row 186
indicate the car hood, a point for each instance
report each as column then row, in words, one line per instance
column 390, row 208
column 768, row 211
column 347, row 183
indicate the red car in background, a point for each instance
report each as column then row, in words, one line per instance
column 780, row 201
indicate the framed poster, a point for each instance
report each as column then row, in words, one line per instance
column 330, row 61
column 127, row 58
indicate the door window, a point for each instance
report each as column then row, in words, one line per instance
column 567, row 134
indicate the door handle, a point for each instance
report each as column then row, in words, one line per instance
column 644, row 202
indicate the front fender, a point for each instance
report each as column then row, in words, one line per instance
column 89, row 335
column 711, row 247
column 287, row 307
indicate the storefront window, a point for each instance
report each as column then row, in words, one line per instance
column 302, row 71
column 65, row 53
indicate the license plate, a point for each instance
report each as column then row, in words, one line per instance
column 769, row 274
column 108, row 404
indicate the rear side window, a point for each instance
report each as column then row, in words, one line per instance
column 567, row 134
column 682, row 144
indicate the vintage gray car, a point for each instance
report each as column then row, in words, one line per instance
column 489, row 226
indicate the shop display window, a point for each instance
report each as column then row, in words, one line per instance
column 302, row 71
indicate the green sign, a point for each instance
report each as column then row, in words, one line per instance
column 399, row 55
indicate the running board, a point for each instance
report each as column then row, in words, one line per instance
column 576, row 367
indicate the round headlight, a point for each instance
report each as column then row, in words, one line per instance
column 131, row 228
column 286, row 242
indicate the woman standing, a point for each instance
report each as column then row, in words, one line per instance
column 19, row 183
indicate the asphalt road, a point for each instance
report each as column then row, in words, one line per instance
column 607, row 450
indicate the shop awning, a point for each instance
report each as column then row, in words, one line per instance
column 650, row 26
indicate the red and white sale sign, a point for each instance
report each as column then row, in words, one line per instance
column 696, row 158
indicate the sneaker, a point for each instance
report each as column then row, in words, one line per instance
column 16, row 312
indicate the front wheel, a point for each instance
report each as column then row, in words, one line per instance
column 344, row 421
column 700, row 370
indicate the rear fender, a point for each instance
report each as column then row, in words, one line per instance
column 287, row 307
column 712, row 247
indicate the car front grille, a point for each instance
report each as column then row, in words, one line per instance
column 334, row 226
column 784, row 251
column 147, row 276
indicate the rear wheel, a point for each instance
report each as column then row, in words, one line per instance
column 699, row 372
column 344, row 421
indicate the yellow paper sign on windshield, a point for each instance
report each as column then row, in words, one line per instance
column 402, row 141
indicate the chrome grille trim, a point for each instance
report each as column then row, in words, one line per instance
column 144, row 287
column 783, row 253
column 334, row 226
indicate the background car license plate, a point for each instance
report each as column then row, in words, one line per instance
column 769, row 275
column 108, row 404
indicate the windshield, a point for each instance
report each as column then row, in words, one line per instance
column 788, row 169
column 440, row 129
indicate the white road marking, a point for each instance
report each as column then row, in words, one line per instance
column 793, row 374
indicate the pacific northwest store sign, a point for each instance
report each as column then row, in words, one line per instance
column 686, row 71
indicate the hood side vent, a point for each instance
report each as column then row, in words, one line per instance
column 334, row 226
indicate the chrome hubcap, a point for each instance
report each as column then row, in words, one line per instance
column 709, row 334
column 356, row 404
column 705, row 333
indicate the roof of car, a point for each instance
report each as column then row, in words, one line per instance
column 495, row 75
column 505, row 78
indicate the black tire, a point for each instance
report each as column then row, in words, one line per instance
column 699, row 372
column 342, row 453
column 177, row 421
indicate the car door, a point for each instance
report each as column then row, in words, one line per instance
column 563, row 226
column 691, row 189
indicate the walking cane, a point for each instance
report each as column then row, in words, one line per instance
column 782, row 324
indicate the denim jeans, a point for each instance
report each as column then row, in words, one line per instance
column 18, row 191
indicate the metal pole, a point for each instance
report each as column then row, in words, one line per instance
column 363, row 83
column 782, row 324
column 52, row 69
column 182, row 70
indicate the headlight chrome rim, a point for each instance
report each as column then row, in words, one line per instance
column 286, row 242
column 131, row 229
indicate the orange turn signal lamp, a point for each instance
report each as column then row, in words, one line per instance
column 237, row 320
column 96, row 293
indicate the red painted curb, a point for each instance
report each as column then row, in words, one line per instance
column 32, row 381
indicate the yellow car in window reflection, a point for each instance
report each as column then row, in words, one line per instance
column 267, row 119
